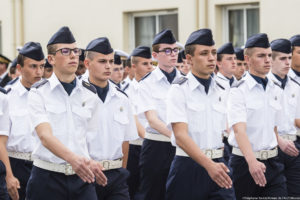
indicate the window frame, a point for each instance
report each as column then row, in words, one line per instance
column 156, row 14
column 243, row 7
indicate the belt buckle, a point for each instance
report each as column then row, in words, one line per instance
column 106, row 164
column 264, row 154
column 209, row 153
column 68, row 170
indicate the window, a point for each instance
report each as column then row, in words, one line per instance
column 144, row 26
column 240, row 22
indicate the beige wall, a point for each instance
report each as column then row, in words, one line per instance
column 90, row 19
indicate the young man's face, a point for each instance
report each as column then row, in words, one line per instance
column 296, row 58
column 165, row 59
column 48, row 72
column 203, row 62
column 81, row 69
column 281, row 64
column 2, row 68
column 32, row 71
column 100, row 66
column 240, row 69
column 259, row 61
column 65, row 64
column 142, row 66
column 227, row 65
column 117, row 72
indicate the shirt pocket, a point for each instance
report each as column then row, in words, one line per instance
column 196, row 117
column 254, row 113
column 20, row 121
column 57, row 116
column 219, row 117
column 120, row 123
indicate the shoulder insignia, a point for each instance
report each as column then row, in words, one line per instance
column 125, row 88
column 295, row 81
column 218, row 84
column 145, row 76
column 3, row 90
column 238, row 85
column 277, row 84
column 180, row 80
column 121, row 91
column 89, row 86
column 13, row 81
column 39, row 83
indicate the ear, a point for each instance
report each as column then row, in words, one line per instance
column 188, row 59
column 19, row 67
column 247, row 58
column 86, row 63
column 154, row 54
column 51, row 60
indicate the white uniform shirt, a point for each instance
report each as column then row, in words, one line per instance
column 153, row 91
column 116, row 124
column 132, row 93
column 4, row 118
column 259, row 109
column 125, row 83
column 70, row 117
column 204, row 113
column 21, row 135
column 291, row 105
column 294, row 76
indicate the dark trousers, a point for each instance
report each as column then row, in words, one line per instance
column 133, row 168
column 21, row 170
column 292, row 171
column 188, row 180
column 227, row 149
column 48, row 185
column 116, row 188
column 3, row 189
column 245, row 186
column 155, row 161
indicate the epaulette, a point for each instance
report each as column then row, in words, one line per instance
column 3, row 90
column 145, row 76
column 39, row 83
column 218, row 84
column 295, row 81
column 125, row 87
column 180, row 80
column 277, row 84
column 8, row 90
column 238, row 85
column 13, row 81
column 89, row 86
column 121, row 91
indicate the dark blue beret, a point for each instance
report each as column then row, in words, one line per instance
column 258, row 40
column 201, row 37
column 226, row 48
column 181, row 52
column 117, row 59
column 142, row 51
column 32, row 50
column 239, row 52
column 281, row 45
column 14, row 63
column 295, row 40
column 47, row 64
column 63, row 36
column 100, row 45
column 164, row 37
column 179, row 58
column 81, row 57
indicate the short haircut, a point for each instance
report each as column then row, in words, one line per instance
column 51, row 49
column 219, row 57
column 12, row 70
column 21, row 59
column 134, row 60
column 155, row 48
column 248, row 51
column 127, row 63
column 89, row 55
column 190, row 49
column 275, row 54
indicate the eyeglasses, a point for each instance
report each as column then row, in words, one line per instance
column 67, row 51
column 168, row 51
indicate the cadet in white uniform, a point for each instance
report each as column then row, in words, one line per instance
column 157, row 151
column 241, row 64
column 141, row 65
column 254, row 109
column 281, row 61
column 116, row 125
column 196, row 108
column 63, row 111
column 20, row 141
column 4, row 131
